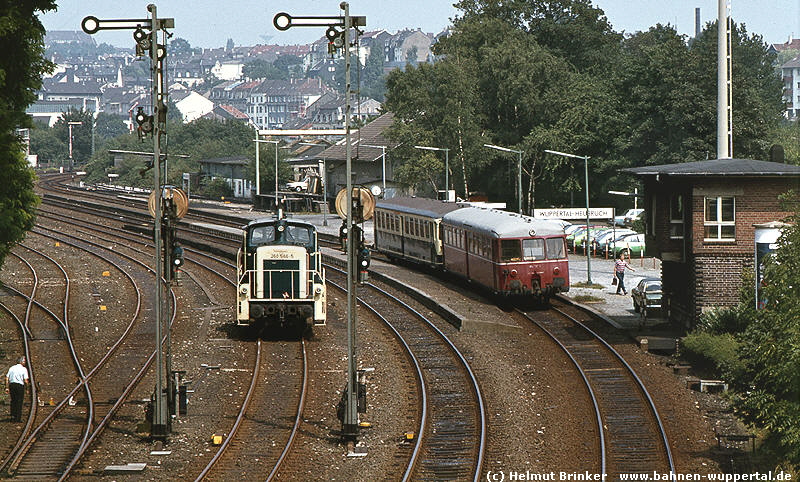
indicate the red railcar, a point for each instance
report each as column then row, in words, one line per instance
column 508, row 253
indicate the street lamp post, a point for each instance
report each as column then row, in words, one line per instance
column 586, row 174
column 519, row 170
column 446, row 167
column 258, row 168
column 69, row 125
column 383, row 164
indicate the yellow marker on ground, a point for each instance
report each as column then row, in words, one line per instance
column 106, row 273
column 216, row 439
column 58, row 244
column 103, row 308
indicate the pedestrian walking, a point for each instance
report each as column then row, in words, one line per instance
column 619, row 272
column 16, row 379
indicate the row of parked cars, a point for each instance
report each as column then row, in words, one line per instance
column 604, row 240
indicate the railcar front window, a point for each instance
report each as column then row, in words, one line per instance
column 510, row 250
column 533, row 249
column 555, row 248
column 262, row 235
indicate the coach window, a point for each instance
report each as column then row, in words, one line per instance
column 533, row 249
column 555, row 248
column 510, row 250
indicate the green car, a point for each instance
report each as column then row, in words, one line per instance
column 633, row 244
column 580, row 237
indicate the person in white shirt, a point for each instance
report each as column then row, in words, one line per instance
column 16, row 379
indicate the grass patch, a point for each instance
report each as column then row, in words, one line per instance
column 588, row 299
column 583, row 284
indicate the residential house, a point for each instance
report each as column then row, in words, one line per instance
column 192, row 105
column 369, row 165
column 275, row 102
column 228, row 69
column 791, row 44
column 226, row 113
column 791, row 87
column 409, row 46
column 699, row 221
column 233, row 170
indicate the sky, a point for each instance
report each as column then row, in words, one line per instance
column 210, row 23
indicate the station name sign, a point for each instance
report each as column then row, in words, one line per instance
column 573, row 213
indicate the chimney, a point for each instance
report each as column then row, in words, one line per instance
column 697, row 22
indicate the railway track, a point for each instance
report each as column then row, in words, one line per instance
column 632, row 437
column 452, row 431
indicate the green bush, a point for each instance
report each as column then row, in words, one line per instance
column 732, row 320
column 707, row 351
column 215, row 189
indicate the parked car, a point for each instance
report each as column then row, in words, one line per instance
column 605, row 240
column 297, row 186
column 579, row 239
column 647, row 295
column 629, row 216
column 633, row 244
column 633, row 215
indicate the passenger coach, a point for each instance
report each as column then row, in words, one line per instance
column 408, row 228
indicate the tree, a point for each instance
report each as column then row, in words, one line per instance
column 21, row 69
column 757, row 105
column 261, row 69
column 768, row 392
column 181, row 47
column 108, row 126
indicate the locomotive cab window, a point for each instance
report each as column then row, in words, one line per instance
column 297, row 234
column 533, row 249
column 262, row 235
column 510, row 250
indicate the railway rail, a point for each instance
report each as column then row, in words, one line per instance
column 452, row 432
column 632, row 437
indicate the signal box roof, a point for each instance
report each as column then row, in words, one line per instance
column 418, row 205
column 503, row 224
column 719, row 167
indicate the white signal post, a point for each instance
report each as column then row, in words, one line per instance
column 70, row 124
column 586, row 173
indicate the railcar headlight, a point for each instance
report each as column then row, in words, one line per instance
column 318, row 289
column 281, row 228
column 513, row 273
column 243, row 289
column 556, row 270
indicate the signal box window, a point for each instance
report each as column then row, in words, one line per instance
column 510, row 250
column 555, row 248
column 676, row 217
column 533, row 249
column 720, row 219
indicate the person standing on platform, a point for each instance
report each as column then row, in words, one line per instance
column 16, row 379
